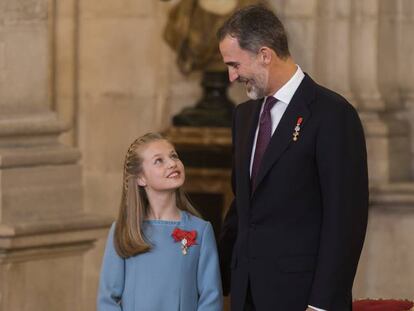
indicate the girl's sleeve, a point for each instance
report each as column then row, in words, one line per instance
column 208, row 274
column 112, row 279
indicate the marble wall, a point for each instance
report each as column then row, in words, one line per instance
column 44, row 228
column 80, row 79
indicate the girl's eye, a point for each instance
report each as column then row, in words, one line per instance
column 157, row 161
column 174, row 156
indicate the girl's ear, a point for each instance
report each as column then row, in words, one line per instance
column 141, row 181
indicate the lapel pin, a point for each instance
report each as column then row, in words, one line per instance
column 297, row 129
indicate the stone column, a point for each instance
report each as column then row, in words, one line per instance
column 333, row 52
column 64, row 65
column 163, row 69
column 406, row 65
column 385, row 265
column 299, row 18
column 386, row 136
column 43, row 228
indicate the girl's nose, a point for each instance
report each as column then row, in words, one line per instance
column 171, row 163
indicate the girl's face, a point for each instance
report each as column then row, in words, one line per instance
column 162, row 170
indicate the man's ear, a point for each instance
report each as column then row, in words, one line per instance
column 141, row 181
column 265, row 55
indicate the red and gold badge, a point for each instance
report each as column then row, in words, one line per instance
column 297, row 129
column 186, row 238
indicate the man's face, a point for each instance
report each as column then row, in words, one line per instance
column 244, row 67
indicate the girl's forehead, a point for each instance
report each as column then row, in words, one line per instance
column 158, row 146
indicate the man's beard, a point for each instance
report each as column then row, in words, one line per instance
column 255, row 88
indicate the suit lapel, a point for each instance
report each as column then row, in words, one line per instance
column 283, row 135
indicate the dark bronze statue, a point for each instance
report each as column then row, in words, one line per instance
column 191, row 32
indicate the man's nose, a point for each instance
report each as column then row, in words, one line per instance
column 233, row 75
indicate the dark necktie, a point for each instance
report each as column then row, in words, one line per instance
column 263, row 137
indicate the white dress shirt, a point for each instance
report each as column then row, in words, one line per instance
column 284, row 96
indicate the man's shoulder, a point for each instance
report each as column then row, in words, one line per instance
column 332, row 102
column 326, row 94
column 323, row 97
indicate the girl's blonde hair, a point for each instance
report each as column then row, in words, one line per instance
column 129, row 239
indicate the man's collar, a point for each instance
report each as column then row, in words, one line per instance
column 286, row 92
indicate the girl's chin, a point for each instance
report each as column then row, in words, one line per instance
column 176, row 183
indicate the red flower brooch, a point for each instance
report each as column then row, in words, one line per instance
column 186, row 238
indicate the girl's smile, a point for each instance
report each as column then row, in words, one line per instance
column 174, row 174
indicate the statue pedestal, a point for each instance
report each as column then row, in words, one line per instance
column 214, row 109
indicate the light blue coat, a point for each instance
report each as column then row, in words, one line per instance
column 163, row 279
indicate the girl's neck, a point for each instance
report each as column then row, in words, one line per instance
column 162, row 206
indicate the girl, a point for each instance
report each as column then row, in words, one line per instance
column 160, row 256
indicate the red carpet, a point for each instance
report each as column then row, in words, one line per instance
column 383, row 305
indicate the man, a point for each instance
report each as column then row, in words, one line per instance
column 293, row 235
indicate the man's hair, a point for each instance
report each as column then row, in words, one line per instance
column 256, row 26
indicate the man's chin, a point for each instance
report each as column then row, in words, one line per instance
column 252, row 94
column 252, row 97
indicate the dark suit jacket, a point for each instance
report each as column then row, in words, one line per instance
column 299, row 234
